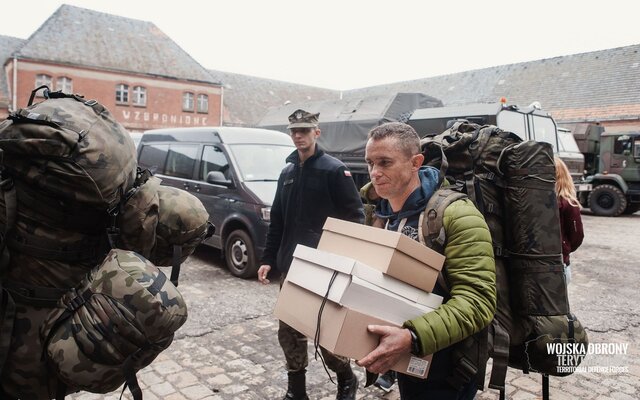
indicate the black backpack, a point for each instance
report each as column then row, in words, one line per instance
column 512, row 183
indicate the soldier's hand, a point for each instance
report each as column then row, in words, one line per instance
column 394, row 342
column 262, row 273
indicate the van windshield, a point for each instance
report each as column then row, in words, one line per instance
column 260, row 162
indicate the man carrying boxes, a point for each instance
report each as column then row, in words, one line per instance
column 405, row 187
column 312, row 187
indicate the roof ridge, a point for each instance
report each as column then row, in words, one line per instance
column 125, row 44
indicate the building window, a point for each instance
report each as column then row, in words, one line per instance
column 187, row 101
column 122, row 93
column 63, row 83
column 43, row 79
column 203, row 103
column 139, row 96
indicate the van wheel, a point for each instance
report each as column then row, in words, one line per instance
column 240, row 255
column 607, row 201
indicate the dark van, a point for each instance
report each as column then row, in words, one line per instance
column 233, row 171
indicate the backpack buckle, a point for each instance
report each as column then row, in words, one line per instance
column 76, row 302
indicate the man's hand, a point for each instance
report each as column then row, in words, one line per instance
column 262, row 273
column 394, row 342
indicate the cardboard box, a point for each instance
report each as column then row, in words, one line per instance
column 358, row 286
column 390, row 252
column 342, row 331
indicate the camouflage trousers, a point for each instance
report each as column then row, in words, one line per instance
column 294, row 346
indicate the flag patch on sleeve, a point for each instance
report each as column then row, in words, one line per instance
column 347, row 173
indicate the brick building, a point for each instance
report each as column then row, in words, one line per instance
column 144, row 78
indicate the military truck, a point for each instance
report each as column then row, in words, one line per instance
column 611, row 185
column 530, row 123
column 345, row 123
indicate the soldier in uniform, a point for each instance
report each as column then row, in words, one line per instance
column 312, row 187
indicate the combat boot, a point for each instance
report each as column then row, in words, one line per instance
column 297, row 387
column 347, row 386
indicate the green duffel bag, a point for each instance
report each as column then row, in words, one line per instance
column 114, row 323
column 183, row 223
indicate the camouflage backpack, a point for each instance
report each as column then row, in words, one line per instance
column 513, row 185
column 182, row 225
column 70, row 191
column 115, row 322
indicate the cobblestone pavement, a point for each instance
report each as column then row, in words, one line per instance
column 228, row 349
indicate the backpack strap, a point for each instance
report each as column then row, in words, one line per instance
column 6, row 324
column 432, row 233
column 471, row 353
column 500, row 356
column 175, row 264
column 6, row 300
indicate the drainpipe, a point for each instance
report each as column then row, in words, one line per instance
column 14, row 90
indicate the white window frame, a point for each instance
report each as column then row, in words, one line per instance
column 188, row 101
column 43, row 79
column 65, row 84
column 139, row 96
column 203, row 103
column 122, row 93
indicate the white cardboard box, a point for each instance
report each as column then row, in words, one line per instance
column 343, row 331
column 390, row 252
column 358, row 286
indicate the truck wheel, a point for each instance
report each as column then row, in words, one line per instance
column 632, row 208
column 240, row 255
column 607, row 201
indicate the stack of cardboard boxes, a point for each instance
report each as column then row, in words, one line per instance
column 358, row 276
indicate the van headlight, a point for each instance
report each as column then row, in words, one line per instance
column 266, row 213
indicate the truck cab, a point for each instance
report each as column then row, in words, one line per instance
column 611, row 185
column 530, row 123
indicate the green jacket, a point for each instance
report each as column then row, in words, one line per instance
column 469, row 271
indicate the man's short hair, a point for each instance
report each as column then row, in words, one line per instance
column 406, row 137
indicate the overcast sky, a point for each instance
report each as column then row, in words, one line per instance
column 346, row 44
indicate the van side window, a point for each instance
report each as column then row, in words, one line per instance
column 153, row 156
column 181, row 160
column 213, row 159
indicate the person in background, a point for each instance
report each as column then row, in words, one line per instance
column 404, row 186
column 312, row 187
column 570, row 221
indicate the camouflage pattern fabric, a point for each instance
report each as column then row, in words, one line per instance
column 73, row 168
column 128, row 312
column 25, row 375
column 51, row 230
column 182, row 221
column 85, row 154
column 139, row 217
column 547, row 330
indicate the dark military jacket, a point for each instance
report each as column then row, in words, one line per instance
column 306, row 195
